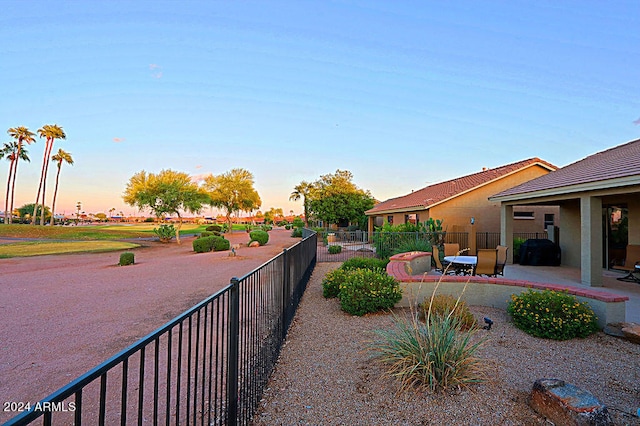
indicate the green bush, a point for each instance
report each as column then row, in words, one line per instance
column 126, row 258
column 366, row 291
column 435, row 355
column 287, row 227
column 206, row 234
column 365, row 263
column 552, row 315
column 266, row 228
column 204, row 244
column 517, row 242
column 297, row 233
column 335, row 249
column 221, row 244
column 298, row 222
column 262, row 237
column 165, row 232
column 149, row 220
column 332, row 282
column 412, row 245
column 443, row 305
column 213, row 228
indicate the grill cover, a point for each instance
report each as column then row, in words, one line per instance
column 539, row 252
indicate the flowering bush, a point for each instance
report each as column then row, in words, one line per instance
column 552, row 315
column 365, row 291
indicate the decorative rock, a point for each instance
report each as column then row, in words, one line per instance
column 632, row 333
column 254, row 244
column 615, row 329
column 566, row 404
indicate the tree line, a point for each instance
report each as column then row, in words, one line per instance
column 15, row 151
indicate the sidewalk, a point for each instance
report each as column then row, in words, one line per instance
column 571, row 276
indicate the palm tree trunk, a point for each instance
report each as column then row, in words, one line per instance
column 55, row 194
column 44, row 180
column 35, row 206
column 13, row 179
column 8, row 217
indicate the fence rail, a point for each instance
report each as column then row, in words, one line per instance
column 207, row 366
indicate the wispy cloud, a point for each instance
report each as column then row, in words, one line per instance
column 119, row 140
column 156, row 70
column 637, row 122
column 198, row 167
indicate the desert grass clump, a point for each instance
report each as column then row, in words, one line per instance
column 445, row 304
column 436, row 354
column 552, row 315
column 126, row 258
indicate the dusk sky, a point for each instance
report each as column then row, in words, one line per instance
column 403, row 94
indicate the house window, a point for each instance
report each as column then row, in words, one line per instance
column 548, row 220
column 523, row 215
column 410, row 218
column 390, row 220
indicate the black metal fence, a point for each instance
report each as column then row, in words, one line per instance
column 207, row 366
column 485, row 240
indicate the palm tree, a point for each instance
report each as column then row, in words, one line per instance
column 303, row 190
column 10, row 150
column 21, row 134
column 50, row 132
column 59, row 158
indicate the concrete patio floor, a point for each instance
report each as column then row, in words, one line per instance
column 571, row 276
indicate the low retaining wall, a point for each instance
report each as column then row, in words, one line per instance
column 496, row 292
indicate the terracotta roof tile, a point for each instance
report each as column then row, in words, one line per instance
column 617, row 162
column 436, row 193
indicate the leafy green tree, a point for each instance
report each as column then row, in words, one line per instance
column 272, row 214
column 25, row 213
column 335, row 199
column 166, row 193
column 10, row 152
column 50, row 132
column 233, row 192
column 21, row 135
column 60, row 157
column 102, row 217
column 303, row 190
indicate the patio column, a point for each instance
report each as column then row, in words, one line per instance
column 591, row 241
column 506, row 229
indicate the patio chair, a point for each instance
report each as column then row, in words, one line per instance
column 487, row 260
column 435, row 252
column 451, row 249
column 502, row 259
column 632, row 259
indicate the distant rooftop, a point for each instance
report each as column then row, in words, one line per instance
column 437, row 193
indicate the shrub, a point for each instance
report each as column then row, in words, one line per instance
column 298, row 222
column 266, row 228
column 443, row 305
column 221, row 244
column 366, row 291
column 206, row 234
column 412, row 245
column 553, row 315
column 149, row 220
column 126, row 258
column 213, row 228
column 364, row 263
column 165, row 232
column 332, row 282
column 287, row 227
column 204, row 244
column 335, row 249
column 297, row 233
column 262, row 237
column 435, row 355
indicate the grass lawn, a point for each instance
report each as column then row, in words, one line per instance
column 88, row 232
column 38, row 248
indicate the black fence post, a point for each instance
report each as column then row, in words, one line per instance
column 232, row 352
column 285, row 291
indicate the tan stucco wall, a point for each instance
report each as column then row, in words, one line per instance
column 570, row 233
column 634, row 220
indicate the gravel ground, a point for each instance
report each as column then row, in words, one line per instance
column 324, row 375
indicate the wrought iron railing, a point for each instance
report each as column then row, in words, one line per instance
column 207, row 366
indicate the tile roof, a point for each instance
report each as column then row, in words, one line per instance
column 434, row 194
column 621, row 161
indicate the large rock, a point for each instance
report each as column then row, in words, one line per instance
column 566, row 404
column 632, row 332
column 254, row 244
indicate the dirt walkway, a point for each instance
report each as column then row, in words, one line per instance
column 62, row 315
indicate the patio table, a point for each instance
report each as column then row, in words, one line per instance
column 462, row 264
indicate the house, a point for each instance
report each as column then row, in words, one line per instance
column 599, row 202
column 463, row 203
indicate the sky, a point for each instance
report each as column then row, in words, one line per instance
column 403, row 94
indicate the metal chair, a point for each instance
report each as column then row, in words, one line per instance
column 443, row 269
column 487, row 261
column 632, row 259
column 451, row 249
column 502, row 259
